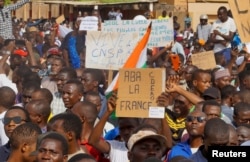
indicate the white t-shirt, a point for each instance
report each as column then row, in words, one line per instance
column 118, row 151
column 223, row 28
column 107, row 127
column 3, row 138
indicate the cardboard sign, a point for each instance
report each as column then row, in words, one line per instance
column 60, row 19
column 162, row 30
column 109, row 50
column 204, row 60
column 137, row 92
column 89, row 23
column 241, row 13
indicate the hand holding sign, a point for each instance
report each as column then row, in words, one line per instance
column 163, row 99
column 172, row 83
column 112, row 102
column 169, row 46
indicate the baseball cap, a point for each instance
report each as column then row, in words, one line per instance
column 212, row 92
column 20, row 52
column 53, row 51
column 145, row 134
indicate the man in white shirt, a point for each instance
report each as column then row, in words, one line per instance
column 203, row 29
column 7, row 99
column 222, row 33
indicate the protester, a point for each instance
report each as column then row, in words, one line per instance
column 203, row 29
column 14, row 117
column 57, row 105
column 72, row 93
column 243, row 134
column 52, row 147
column 153, row 143
column 46, row 75
column 7, row 99
column 222, row 33
column 6, row 30
column 195, row 123
column 23, row 142
column 62, row 123
column 216, row 133
column 163, row 15
column 39, row 112
column 116, row 150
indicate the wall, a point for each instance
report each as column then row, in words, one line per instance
column 196, row 9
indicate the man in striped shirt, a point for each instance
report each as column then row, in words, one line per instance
column 5, row 18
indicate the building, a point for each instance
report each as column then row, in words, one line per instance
column 54, row 8
column 194, row 7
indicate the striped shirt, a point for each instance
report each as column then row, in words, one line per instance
column 57, row 105
column 6, row 30
column 118, row 151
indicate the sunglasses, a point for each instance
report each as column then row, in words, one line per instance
column 16, row 120
column 200, row 119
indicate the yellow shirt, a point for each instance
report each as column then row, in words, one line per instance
column 50, row 116
column 162, row 18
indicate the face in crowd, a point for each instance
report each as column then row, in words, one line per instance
column 202, row 82
column 12, row 119
column 195, row 123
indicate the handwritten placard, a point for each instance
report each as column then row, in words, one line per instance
column 138, row 91
column 156, row 112
column 89, row 23
column 161, row 34
column 60, row 19
column 109, row 50
column 204, row 60
column 241, row 13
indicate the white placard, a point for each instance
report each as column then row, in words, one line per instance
column 89, row 23
column 109, row 50
column 162, row 30
column 156, row 112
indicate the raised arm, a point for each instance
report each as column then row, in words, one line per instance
column 32, row 60
column 173, row 87
column 4, row 80
column 18, row 4
column 162, row 51
column 94, row 138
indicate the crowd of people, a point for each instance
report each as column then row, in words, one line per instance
column 52, row 108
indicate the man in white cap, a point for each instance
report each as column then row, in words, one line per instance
column 203, row 29
column 154, row 145
column 222, row 77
